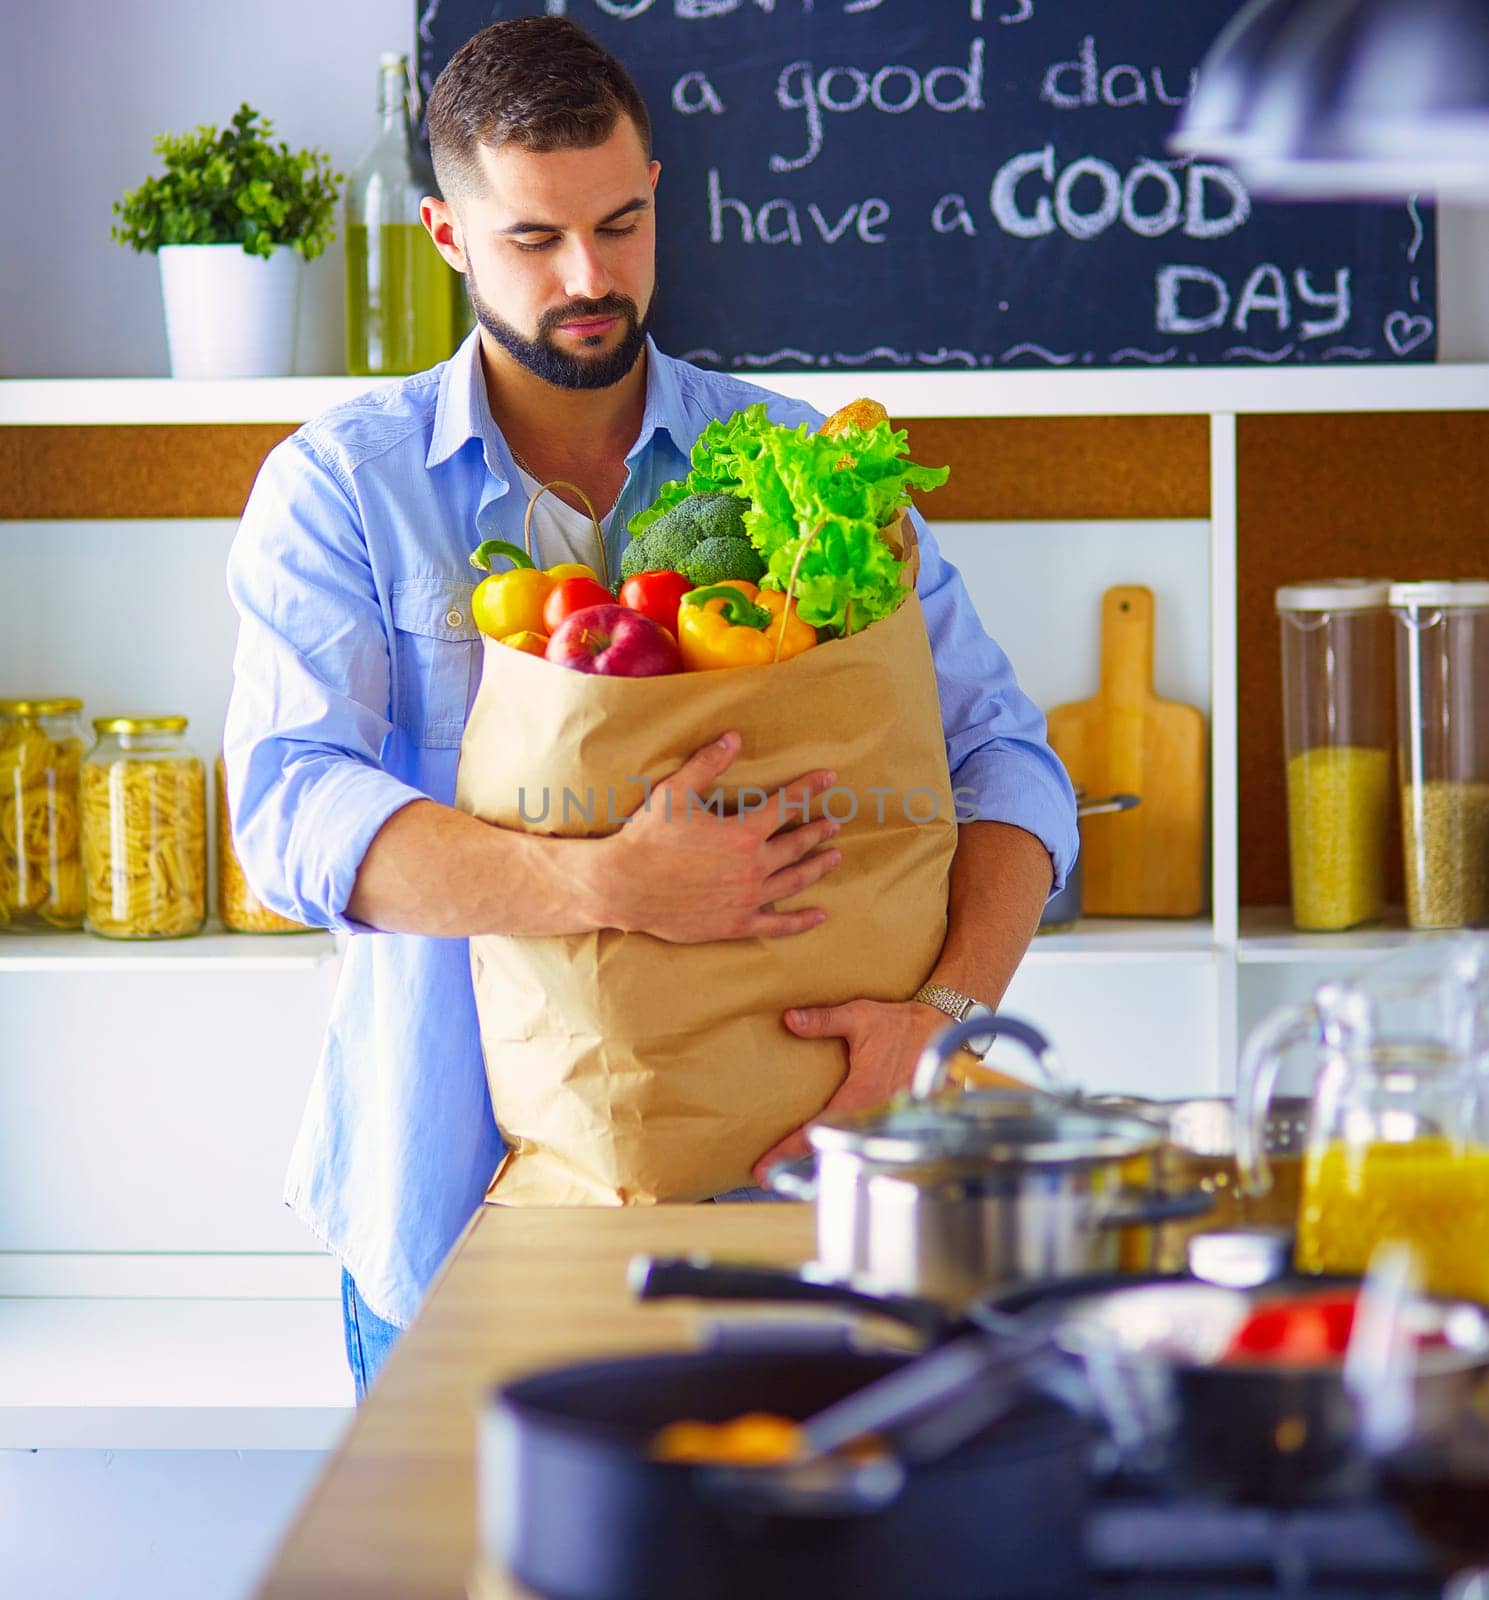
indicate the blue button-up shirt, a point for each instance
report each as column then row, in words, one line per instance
column 356, row 665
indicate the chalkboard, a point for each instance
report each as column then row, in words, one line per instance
column 972, row 184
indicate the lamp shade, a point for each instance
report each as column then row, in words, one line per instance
column 1349, row 98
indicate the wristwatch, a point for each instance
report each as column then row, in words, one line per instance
column 959, row 1007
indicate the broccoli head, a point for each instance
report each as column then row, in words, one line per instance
column 714, row 559
column 668, row 542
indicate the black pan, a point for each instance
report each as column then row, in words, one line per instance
column 575, row 1508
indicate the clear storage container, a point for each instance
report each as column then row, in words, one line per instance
column 144, row 804
column 1337, row 728
column 238, row 908
column 1442, row 696
column 41, row 869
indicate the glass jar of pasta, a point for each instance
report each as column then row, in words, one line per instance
column 238, row 907
column 41, row 870
column 144, row 805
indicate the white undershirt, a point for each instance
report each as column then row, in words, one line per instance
column 560, row 533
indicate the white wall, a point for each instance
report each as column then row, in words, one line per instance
column 91, row 84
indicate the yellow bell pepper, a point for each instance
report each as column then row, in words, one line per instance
column 512, row 601
column 734, row 624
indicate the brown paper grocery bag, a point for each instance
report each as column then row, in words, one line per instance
column 626, row 1070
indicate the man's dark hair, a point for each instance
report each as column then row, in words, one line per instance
column 537, row 82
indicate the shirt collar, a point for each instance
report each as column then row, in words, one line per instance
column 463, row 412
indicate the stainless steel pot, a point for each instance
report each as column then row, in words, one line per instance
column 943, row 1195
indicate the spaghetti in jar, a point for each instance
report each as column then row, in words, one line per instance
column 41, row 869
column 144, row 811
column 239, row 909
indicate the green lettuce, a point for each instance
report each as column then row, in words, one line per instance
column 823, row 499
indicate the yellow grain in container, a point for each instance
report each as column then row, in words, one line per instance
column 1336, row 816
column 1445, row 828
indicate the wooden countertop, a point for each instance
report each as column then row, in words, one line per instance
column 393, row 1514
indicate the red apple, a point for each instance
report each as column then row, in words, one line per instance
column 614, row 642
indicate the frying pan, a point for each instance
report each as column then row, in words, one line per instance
column 574, row 1505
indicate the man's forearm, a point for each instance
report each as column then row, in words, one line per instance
column 431, row 869
column 1000, row 880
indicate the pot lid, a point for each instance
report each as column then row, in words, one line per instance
column 997, row 1128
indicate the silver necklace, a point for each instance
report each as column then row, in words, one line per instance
column 538, row 479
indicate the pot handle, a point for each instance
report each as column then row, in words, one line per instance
column 797, row 1180
column 1136, row 1206
column 674, row 1277
column 935, row 1060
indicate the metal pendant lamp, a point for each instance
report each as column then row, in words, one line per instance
column 1316, row 99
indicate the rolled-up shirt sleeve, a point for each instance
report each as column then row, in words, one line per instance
column 1001, row 764
column 310, row 706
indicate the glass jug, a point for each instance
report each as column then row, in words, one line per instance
column 1397, row 1142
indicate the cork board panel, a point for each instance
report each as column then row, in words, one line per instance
column 147, row 470
column 1038, row 469
column 1002, row 468
column 1366, row 496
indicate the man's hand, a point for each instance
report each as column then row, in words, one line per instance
column 684, row 874
column 885, row 1039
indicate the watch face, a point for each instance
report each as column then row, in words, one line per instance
column 976, row 1011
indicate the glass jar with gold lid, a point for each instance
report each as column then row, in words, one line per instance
column 41, row 870
column 238, row 908
column 144, row 809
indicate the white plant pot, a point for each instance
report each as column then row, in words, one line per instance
column 229, row 314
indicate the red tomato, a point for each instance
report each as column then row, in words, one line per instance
column 656, row 595
column 569, row 595
column 1311, row 1331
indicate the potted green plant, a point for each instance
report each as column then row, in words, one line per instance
column 232, row 220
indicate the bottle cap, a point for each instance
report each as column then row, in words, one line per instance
column 139, row 724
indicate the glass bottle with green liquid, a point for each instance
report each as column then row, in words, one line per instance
column 400, row 299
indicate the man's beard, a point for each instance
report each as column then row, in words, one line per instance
column 542, row 357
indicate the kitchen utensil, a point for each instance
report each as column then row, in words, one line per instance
column 1262, row 1432
column 574, row 1506
column 1127, row 740
column 1398, row 1136
column 1063, row 909
column 1200, row 1153
column 944, row 1194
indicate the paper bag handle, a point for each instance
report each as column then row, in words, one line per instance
column 527, row 521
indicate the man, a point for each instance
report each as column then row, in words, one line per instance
column 357, row 664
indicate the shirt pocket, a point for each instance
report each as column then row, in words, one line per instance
column 436, row 650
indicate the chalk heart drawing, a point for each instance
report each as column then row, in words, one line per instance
column 1405, row 332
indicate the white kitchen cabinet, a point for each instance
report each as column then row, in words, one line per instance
column 149, row 1095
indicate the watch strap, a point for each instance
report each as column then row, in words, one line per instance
column 957, row 1006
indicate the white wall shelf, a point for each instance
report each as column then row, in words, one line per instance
column 1462, row 386
column 1107, row 939
column 1269, row 938
column 210, row 950
column 125, row 1374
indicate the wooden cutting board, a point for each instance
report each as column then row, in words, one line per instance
column 1148, row 862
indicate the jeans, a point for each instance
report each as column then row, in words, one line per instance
column 731, row 1196
column 368, row 1337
